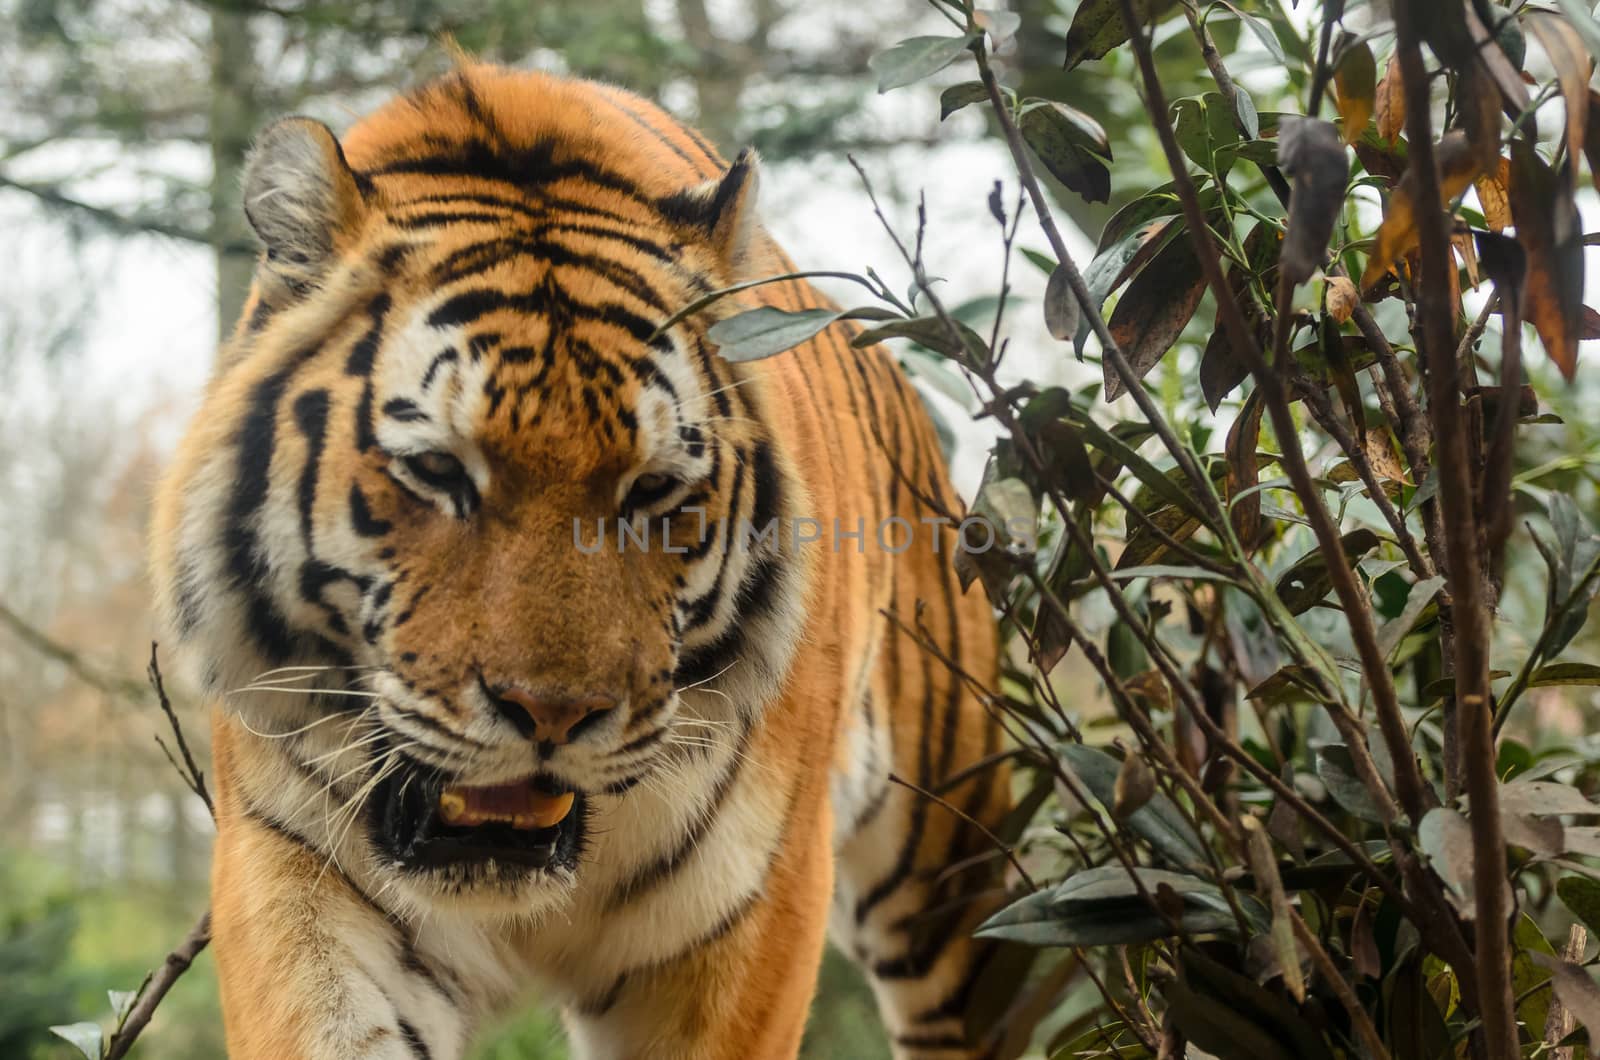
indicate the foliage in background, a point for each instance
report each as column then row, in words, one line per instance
column 1324, row 824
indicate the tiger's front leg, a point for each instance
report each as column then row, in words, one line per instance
column 309, row 967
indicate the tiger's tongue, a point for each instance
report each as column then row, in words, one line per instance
column 517, row 804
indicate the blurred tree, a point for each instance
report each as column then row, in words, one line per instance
column 171, row 91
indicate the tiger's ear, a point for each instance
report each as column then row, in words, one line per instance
column 722, row 212
column 299, row 195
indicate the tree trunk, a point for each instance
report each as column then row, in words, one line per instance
column 235, row 117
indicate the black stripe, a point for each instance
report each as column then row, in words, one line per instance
column 413, row 1039
column 365, row 351
column 663, row 868
column 361, row 518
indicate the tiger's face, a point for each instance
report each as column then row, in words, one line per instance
column 456, row 525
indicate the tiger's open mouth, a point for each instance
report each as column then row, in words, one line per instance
column 423, row 822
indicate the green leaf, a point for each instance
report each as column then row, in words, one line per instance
column 1543, row 798
column 1070, row 144
column 1581, row 895
column 1338, row 772
column 1572, row 558
column 1061, row 313
column 1303, row 585
column 1105, row 906
column 1421, row 595
column 1159, row 821
column 918, row 57
column 1223, row 988
column 84, row 1036
column 121, row 1002
column 1446, row 838
column 1263, row 33
column 1557, row 674
column 965, row 94
column 930, row 332
column 765, row 331
column 1097, row 27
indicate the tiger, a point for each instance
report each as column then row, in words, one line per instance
column 551, row 657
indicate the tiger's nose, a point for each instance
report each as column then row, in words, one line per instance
column 553, row 718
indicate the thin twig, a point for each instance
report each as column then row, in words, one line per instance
column 155, row 987
column 1000, row 844
column 190, row 771
column 160, row 981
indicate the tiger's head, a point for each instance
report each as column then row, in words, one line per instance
column 459, row 520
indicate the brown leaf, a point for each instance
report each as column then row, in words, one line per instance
column 1467, row 251
column 1135, row 784
column 1574, row 67
column 1264, row 866
column 1513, row 85
column 1154, row 310
column 1457, row 165
column 1591, row 326
column 1591, row 138
column 1356, row 80
column 1244, row 472
column 1390, row 103
column 1342, row 298
column 1548, row 229
column 1494, row 195
column 1384, row 456
column 1314, row 156
column 1478, row 108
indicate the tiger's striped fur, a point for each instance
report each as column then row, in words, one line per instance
column 367, row 537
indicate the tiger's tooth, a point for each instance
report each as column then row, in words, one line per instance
column 452, row 807
column 550, row 810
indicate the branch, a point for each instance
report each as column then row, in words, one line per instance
column 156, row 985
column 192, row 776
column 116, row 222
column 1462, row 567
column 81, row 668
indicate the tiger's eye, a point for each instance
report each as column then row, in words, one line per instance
column 652, row 482
column 435, row 466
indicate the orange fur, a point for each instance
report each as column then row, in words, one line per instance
column 809, row 808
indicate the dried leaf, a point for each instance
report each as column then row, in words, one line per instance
column 1243, row 470
column 1356, row 78
column 1154, row 310
column 1312, row 154
column 1591, row 138
column 1264, row 865
column 1398, row 234
column 1573, row 67
column 1478, row 108
column 1502, row 56
column 1549, row 230
column 1342, row 298
column 1467, row 250
column 1135, row 785
column 1390, row 103
column 1494, row 195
